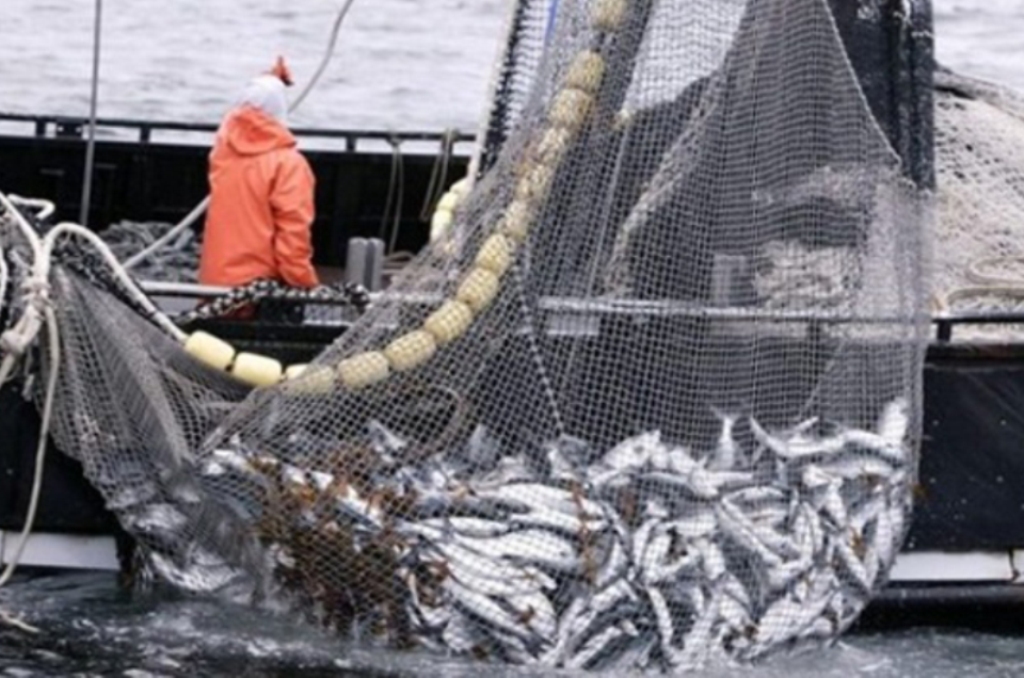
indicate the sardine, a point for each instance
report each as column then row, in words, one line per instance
column 633, row 453
column 727, row 453
column 594, row 647
column 527, row 497
column 469, row 527
column 614, row 566
column 536, row 547
column 666, row 629
column 488, row 610
column 536, row 613
column 712, row 559
column 700, row 524
column 558, row 522
column 851, row 564
column 698, row 640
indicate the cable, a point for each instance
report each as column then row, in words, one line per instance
column 4, row 274
column 194, row 215
column 90, row 151
column 335, row 31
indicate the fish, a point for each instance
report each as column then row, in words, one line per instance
column 666, row 629
column 482, row 450
column 469, row 526
column 594, row 647
column 526, row 497
column 533, row 546
column 727, row 453
column 699, row 524
column 698, row 640
column 489, row 611
column 632, row 454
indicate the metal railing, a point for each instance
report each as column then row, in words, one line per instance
column 71, row 127
column 942, row 324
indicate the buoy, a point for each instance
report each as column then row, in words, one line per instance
column 460, row 188
column 609, row 14
column 448, row 202
column 364, row 369
column 533, row 188
column 411, row 350
column 552, row 146
column 440, row 223
column 210, row 350
column 310, row 379
column 495, row 254
column 586, row 72
column 478, row 289
column 449, row 322
column 257, row 370
column 515, row 225
column 570, row 109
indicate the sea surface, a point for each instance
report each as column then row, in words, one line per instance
column 401, row 65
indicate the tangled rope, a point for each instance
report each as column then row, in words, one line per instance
column 38, row 313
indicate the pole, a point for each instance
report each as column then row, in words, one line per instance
column 90, row 151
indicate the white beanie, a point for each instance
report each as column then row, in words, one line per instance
column 266, row 93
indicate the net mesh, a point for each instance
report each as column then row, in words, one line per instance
column 979, row 144
column 653, row 402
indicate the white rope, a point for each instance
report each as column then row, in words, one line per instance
column 4, row 274
column 14, row 344
column 119, row 271
column 199, row 209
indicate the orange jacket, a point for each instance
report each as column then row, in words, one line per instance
column 261, row 205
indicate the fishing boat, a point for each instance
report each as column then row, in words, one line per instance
column 966, row 544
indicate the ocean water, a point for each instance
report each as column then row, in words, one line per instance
column 401, row 64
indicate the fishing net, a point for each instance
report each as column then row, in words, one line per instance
column 653, row 401
column 979, row 143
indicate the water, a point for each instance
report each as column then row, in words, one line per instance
column 91, row 629
column 401, row 64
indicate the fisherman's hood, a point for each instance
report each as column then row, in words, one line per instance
column 250, row 131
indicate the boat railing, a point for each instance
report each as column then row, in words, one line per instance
column 142, row 131
column 581, row 310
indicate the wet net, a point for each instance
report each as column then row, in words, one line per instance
column 653, row 402
column 979, row 143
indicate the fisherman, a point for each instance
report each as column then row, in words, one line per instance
column 261, row 193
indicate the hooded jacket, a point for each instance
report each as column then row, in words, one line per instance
column 258, row 224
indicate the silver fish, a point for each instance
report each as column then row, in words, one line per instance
column 666, row 629
column 530, row 496
column 727, row 453
column 536, row 612
column 894, row 422
column 894, row 453
column 489, row 610
column 797, row 447
column 615, row 565
column 852, row 565
column 698, row 640
column 594, row 647
column 489, row 576
column 537, row 547
column 469, row 527
column 699, row 524
column 712, row 559
column 558, row 522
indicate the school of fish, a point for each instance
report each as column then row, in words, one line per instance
column 648, row 556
